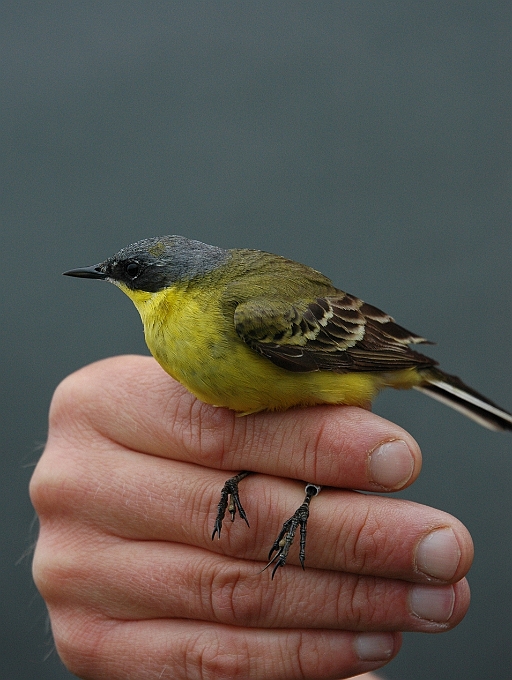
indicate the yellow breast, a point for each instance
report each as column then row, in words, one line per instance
column 191, row 338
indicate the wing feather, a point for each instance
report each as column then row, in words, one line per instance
column 337, row 333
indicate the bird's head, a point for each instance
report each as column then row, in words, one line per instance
column 156, row 263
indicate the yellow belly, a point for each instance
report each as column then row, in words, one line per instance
column 193, row 342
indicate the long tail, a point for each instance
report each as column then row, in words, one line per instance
column 451, row 391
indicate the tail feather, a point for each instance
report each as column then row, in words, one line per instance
column 451, row 391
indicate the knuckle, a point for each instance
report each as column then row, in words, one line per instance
column 233, row 600
column 320, row 439
column 83, row 399
column 318, row 446
column 42, row 487
column 58, row 482
column 55, row 570
column 42, row 572
column 356, row 602
column 365, row 542
column 80, row 640
column 218, row 657
column 38, row 485
column 367, row 603
column 206, row 431
column 70, row 397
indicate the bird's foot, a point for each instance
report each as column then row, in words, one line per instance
column 286, row 536
column 230, row 501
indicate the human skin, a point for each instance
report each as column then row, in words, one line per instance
column 127, row 491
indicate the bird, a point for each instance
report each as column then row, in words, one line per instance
column 253, row 331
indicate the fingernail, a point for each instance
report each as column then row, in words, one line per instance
column 391, row 464
column 438, row 554
column 433, row 603
column 374, row 646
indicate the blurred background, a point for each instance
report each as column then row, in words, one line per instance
column 369, row 139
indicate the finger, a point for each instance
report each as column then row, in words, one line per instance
column 187, row 649
column 150, row 580
column 132, row 401
column 149, row 498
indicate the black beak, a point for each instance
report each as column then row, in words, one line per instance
column 93, row 272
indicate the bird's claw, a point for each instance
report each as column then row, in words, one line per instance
column 230, row 501
column 284, row 541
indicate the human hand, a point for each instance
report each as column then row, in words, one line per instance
column 127, row 491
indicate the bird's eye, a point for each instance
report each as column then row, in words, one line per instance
column 132, row 269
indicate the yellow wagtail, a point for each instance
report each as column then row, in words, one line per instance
column 253, row 331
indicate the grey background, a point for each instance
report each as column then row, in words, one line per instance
column 368, row 139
